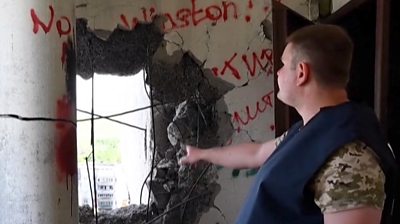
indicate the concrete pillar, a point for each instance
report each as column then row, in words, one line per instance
column 38, row 168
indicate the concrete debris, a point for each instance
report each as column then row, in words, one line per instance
column 132, row 214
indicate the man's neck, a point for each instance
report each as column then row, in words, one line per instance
column 313, row 103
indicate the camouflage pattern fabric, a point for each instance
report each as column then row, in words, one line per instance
column 351, row 178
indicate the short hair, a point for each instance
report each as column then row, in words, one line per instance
column 329, row 50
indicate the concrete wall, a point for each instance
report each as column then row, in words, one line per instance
column 307, row 8
column 38, row 169
column 337, row 4
column 231, row 40
column 313, row 9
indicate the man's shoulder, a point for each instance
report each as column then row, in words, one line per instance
column 350, row 178
column 353, row 156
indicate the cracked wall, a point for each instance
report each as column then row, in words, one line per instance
column 38, row 165
column 209, row 65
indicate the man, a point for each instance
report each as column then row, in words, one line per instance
column 329, row 168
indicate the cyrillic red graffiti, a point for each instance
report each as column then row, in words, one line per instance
column 37, row 23
column 186, row 17
column 228, row 65
column 262, row 61
column 253, row 112
column 266, row 55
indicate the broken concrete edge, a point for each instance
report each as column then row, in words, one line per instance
column 124, row 52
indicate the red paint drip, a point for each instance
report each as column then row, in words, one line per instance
column 64, row 53
column 66, row 161
column 248, row 18
column 250, row 4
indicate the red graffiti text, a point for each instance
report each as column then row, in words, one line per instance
column 253, row 112
column 63, row 26
column 185, row 17
column 63, row 23
column 254, row 62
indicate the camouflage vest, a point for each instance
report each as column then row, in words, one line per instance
column 281, row 192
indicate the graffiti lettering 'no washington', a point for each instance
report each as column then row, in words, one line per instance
column 63, row 23
column 185, row 17
column 63, row 26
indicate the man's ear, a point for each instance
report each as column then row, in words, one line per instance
column 303, row 74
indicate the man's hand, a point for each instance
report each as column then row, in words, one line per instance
column 193, row 155
column 247, row 155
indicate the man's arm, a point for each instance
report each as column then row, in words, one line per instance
column 364, row 215
column 349, row 188
column 248, row 155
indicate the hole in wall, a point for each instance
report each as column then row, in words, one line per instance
column 119, row 137
column 187, row 109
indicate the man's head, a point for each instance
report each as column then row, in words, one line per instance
column 316, row 53
column 328, row 49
